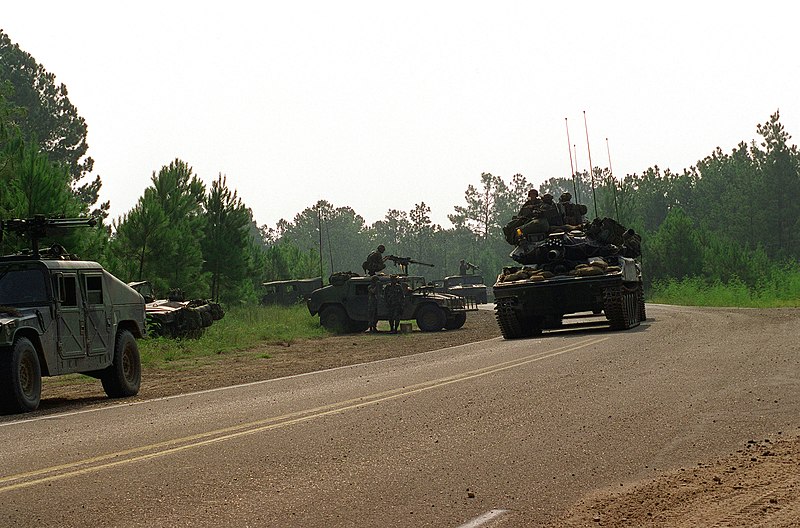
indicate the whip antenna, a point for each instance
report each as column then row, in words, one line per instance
column 577, row 172
column 319, row 224
column 591, row 169
column 571, row 165
column 613, row 180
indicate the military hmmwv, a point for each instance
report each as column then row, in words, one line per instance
column 61, row 315
column 343, row 305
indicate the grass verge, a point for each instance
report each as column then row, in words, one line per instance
column 242, row 328
column 780, row 291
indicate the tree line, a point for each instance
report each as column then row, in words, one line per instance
column 731, row 216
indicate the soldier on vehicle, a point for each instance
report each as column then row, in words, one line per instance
column 531, row 204
column 572, row 213
column 550, row 212
column 464, row 267
column 373, row 294
column 375, row 261
column 394, row 294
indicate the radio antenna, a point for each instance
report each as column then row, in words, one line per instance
column 577, row 171
column 571, row 165
column 591, row 168
column 613, row 180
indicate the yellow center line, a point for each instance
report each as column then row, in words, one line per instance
column 168, row 447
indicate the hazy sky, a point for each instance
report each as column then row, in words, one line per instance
column 380, row 105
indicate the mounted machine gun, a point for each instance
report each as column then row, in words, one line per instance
column 40, row 227
column 403, row 262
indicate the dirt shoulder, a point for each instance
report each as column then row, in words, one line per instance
column 759, row 485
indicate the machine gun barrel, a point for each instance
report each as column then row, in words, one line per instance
column 40, row 227
column 405, row 261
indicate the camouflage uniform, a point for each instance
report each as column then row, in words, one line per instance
column 394, row 294
column 530, row 206
column 375, row 261
column 572, row 213
column 550, row 212
column 464, row 267
column 374, row 292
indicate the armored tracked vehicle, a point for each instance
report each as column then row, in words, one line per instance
column 342, row 305
column 175, row 317
column 60, row 315
column 591, row 269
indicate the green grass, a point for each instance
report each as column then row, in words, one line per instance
column 242, row 328
column 780, row 290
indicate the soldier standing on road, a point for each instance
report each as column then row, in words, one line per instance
column 394, row 294
column 374, row 293
column 375, row 261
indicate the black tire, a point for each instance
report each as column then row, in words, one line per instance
column 123, row 377
column 335, row 319
column 206, row 317
column 456, row 321
column 431, row 318
column 20, row 377
column 358, row 326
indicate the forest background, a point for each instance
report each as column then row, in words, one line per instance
column 730, row 224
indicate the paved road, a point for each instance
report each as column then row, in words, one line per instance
column 436, row 439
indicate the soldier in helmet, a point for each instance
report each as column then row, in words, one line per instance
column 394, row 294
column 550, row 212
column 572, row 213
column 375, row 261
column 464, row 267
column 531, row 205
column 373, row 293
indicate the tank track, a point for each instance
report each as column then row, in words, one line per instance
column 622, row 306
column 507, row 320
column 642, row 311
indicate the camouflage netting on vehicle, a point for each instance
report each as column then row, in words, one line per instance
column 340, row 277
column 596, row 266
column 579, row 252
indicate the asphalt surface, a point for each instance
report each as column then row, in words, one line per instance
column 499, row 432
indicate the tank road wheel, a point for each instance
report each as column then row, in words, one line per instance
column 622, row 307
column 335, row 319
column 456, row 321
column 431, row 318
column 642, row 311
column 123, row 377
column 20, row 377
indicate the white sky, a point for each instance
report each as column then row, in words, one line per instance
column 381, row 105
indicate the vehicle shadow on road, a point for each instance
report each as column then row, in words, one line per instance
column 50, row 406
column 593, row 326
